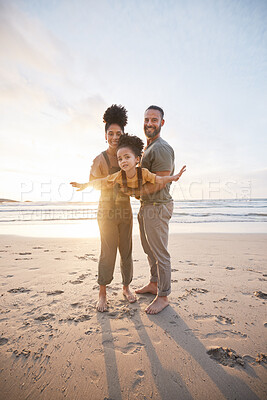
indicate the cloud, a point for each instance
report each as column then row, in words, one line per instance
column 32, row 60
column 25, row 41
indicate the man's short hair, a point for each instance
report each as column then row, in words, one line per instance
column 158, row 109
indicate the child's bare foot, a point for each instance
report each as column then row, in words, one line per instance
column 157, row 305
column 131, row 297
column 152, row 287
column 102, row 304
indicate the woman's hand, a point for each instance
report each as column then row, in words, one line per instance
column 80, row 186
column 178, row 176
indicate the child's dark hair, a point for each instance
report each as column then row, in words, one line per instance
column 132, row 142
column 115, row 115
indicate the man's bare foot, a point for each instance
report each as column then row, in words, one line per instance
column 152, row 287
column 102, row 304
column 157, row 305
column 131, row 297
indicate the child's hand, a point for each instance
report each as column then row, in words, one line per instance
column 79, row 186
column 177, row 176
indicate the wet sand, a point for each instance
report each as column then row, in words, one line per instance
column 210, row 343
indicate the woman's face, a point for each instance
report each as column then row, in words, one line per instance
column 113, row 134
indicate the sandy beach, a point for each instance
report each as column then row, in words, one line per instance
column 210, row 343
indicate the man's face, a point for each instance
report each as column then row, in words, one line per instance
column 152, row 123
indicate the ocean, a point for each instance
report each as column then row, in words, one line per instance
column 240, row 215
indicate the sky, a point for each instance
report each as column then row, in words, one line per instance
column 63, row 62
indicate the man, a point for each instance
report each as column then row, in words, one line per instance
column 156, row 210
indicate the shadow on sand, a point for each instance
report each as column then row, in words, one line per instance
column 172, row 383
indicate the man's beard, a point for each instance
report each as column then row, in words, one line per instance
column 152, row 133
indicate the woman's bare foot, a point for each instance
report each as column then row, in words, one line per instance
column 157, row 305
column 131, row 297
column 152, row 287
column 102, row 304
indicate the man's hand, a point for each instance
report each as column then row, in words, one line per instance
column 177, row 176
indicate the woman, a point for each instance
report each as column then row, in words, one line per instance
column 114, row 212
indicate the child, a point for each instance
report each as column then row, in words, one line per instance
column 129, row 153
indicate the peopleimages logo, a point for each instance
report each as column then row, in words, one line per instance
column 197, row 189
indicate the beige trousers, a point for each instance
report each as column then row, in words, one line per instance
column 154, row 233
column 115, row 233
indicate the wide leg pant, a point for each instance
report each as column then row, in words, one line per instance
column 154, row 233
column 115, row 233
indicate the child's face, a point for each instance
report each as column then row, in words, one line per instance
column 127, row 159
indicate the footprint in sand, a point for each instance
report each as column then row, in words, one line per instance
column 87, row 257
column 24, row 353
column 77, row 282
column 130, row 348
column 121, row 312
column 226, row 356
column 76, row 304
column 218, row 318
column 192, row 292
column 3, row 341
column 91, row 330
column 19, row 290
column 55, row 292
column 260, row 294
column 83, row 318
column 224, row 320
column 224, row 334
column 44, row 317
column 140, row 374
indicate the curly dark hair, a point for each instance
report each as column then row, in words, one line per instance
column 115, row 115
column 132, row 142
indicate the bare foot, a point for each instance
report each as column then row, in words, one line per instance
column 152, row 287
column 157, row 305
column 128, row 294
column 102, row 304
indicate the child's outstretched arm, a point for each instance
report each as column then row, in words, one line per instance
column 167, row 179
column 96, row 183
